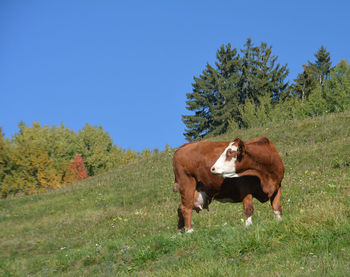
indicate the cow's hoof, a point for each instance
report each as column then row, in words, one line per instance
column 278, row 215
column 248, row 222
column 189, row 231
column 180, row 231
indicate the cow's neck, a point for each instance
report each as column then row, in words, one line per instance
column 253, row 160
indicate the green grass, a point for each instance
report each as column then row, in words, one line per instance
column 124, row 222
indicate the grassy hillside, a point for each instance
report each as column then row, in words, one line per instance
column 124, row 222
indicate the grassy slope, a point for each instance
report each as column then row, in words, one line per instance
column 124, row 221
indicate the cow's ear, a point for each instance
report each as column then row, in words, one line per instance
column 240, row 148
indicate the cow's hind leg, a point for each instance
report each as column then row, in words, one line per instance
column 276, row 203
column 187, row 190
column 248, row 208
column 180, row 221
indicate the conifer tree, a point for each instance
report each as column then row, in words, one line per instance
column 261, row 74
column 218, row 93
column 228, row 99
column 304, row 84
column 214, row 98
column 201, row 101
column 322, row 65
column 314, row 75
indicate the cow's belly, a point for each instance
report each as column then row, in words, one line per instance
column 228, row 200
column 225, row 200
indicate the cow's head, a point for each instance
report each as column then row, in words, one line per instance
column 225, row 166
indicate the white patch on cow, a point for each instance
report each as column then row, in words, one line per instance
column 225, row 168
column 190, row 231
column 249, row 221
column 277, row 215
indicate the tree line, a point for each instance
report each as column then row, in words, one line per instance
column 249, row 88
column 41, row 158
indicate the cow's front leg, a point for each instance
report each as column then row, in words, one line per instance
column 248, row 208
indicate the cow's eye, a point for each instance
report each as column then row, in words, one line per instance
column 231, row 153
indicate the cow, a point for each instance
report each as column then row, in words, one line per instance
column 227, row 172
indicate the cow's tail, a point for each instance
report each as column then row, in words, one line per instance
column 175, row 187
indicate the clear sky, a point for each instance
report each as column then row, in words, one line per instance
column 127, row 65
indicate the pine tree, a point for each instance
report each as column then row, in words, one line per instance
column 261, row 74
column 304, row 84
column 214, row 98
column 201, row 102
column 228, row 99
column 218, row 93
column 314, row 75
column 322, row 66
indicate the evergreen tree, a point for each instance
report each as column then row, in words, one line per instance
column 322, row 66
column 228, row 99
column 201, row 101
column 218, row 93
column 314, row 75
column 214, row 98
column 261, row 74
column 304, row 84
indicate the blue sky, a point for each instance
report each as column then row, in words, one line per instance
column 127, row 65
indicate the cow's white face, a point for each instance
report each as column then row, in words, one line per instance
column 225, row 166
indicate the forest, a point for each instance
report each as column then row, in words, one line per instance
column 243, row 89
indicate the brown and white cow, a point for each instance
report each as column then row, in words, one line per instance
column 227, row 172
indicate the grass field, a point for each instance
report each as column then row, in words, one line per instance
column 123, row 223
